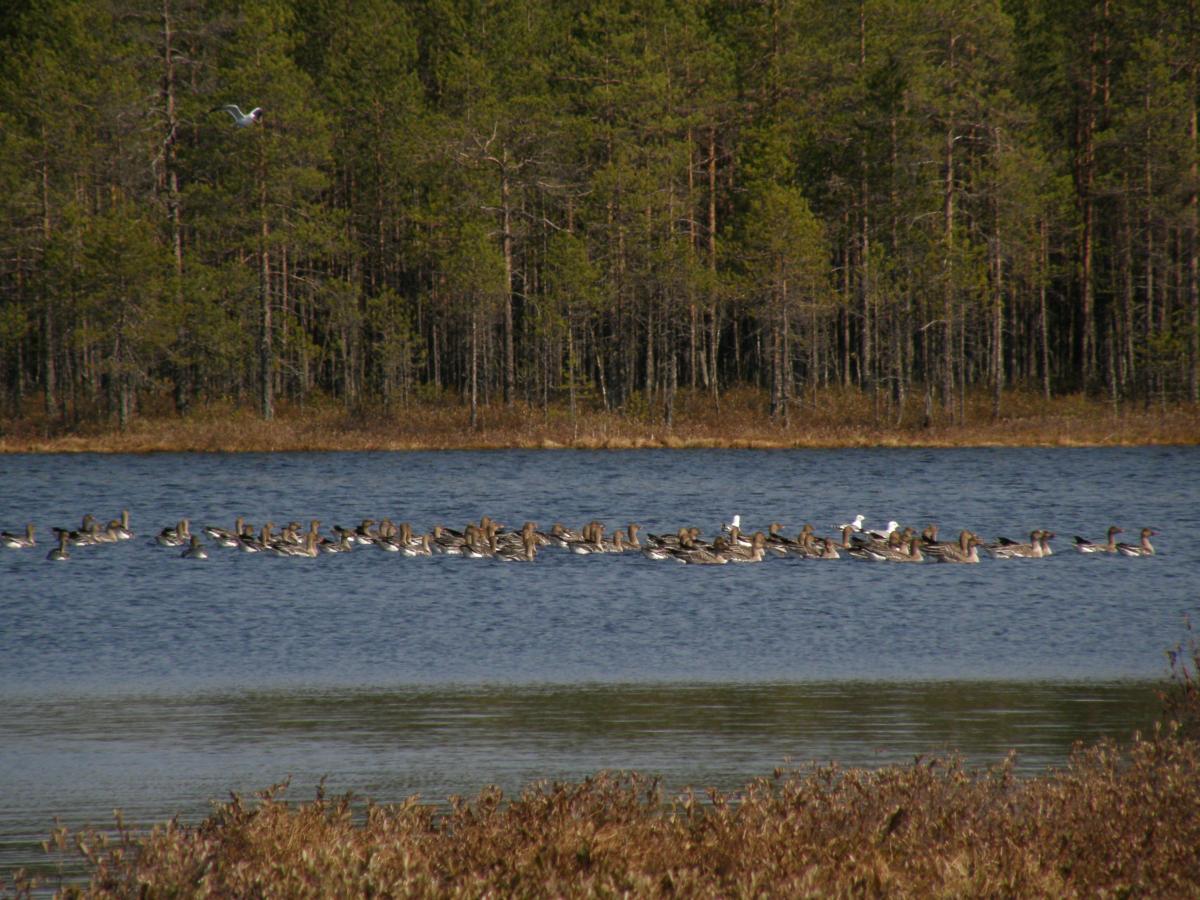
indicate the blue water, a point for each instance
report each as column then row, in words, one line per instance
column 130, row 677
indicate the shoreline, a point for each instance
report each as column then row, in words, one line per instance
column 740, row 423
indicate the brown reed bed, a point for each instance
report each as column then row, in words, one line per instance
column 833, row 418
column 1117, row 821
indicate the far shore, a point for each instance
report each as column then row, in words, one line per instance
column 739, row 421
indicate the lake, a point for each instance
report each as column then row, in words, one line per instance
column 131, row 678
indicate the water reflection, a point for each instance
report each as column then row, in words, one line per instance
column 439, row 741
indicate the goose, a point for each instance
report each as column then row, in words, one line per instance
column 1003, row 548
column 779, row 544
column 591, row 540
column 633, row 541
column 87, row 533
column 240, row 119
column 894, row 539
column 506, row 539
column 490, row 526
column 1083, row 545
column 737, row 540
column 879, row 551
column 60, row 552
column 409, row 545
column 309, row 548
column 388, row 544
column 314, row 529
column 174, row 537
column 475, row 544
column 679, row 539
column 342, row 545
column 560, row 535
column 526, row 552
column 808, row 546
column 223, row 537
column 105, row 535
column 300, row 546
column 287, row 539
column 906, row 552
column 754, row 554
column 702, row 556
column 405, row 543
column 616, row 544
column 1045, row 542
column 933, row 547
column 659, row 548
column 16, row 542
column 195, row 550
column 124, row 532
column 829, row 547
column 291, row 534
column 966, row 551
column 914, row 554
column 364, row 533
column 447, row 541
column 826, row 548
column 1142, row 548
column 251, row 544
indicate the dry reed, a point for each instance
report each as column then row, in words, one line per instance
column 1115, row 822
column 834, row 418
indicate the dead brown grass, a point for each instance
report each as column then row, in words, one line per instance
column 831, row 419
column 1115, row 822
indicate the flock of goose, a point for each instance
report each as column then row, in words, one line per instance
column 490, row 539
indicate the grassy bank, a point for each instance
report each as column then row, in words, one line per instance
column 832, row 419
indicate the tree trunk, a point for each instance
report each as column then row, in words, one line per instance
column 1193, row 249
column 997, row 373
column 49, row 369
column 474, row 370
column 510, row 363
column 948, row 267
column 266, row 351
column 179, row 369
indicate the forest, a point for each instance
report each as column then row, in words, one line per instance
column 595, row 205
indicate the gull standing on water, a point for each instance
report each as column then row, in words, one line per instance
column 240, row 119
column 856, row 525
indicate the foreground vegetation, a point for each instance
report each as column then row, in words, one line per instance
column 1119, row 821
column 1116, row 821
column 740, row 420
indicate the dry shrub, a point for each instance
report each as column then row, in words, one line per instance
column 1181, row 701
column 1113, row 822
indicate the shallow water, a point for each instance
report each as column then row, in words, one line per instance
column 132, row 678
